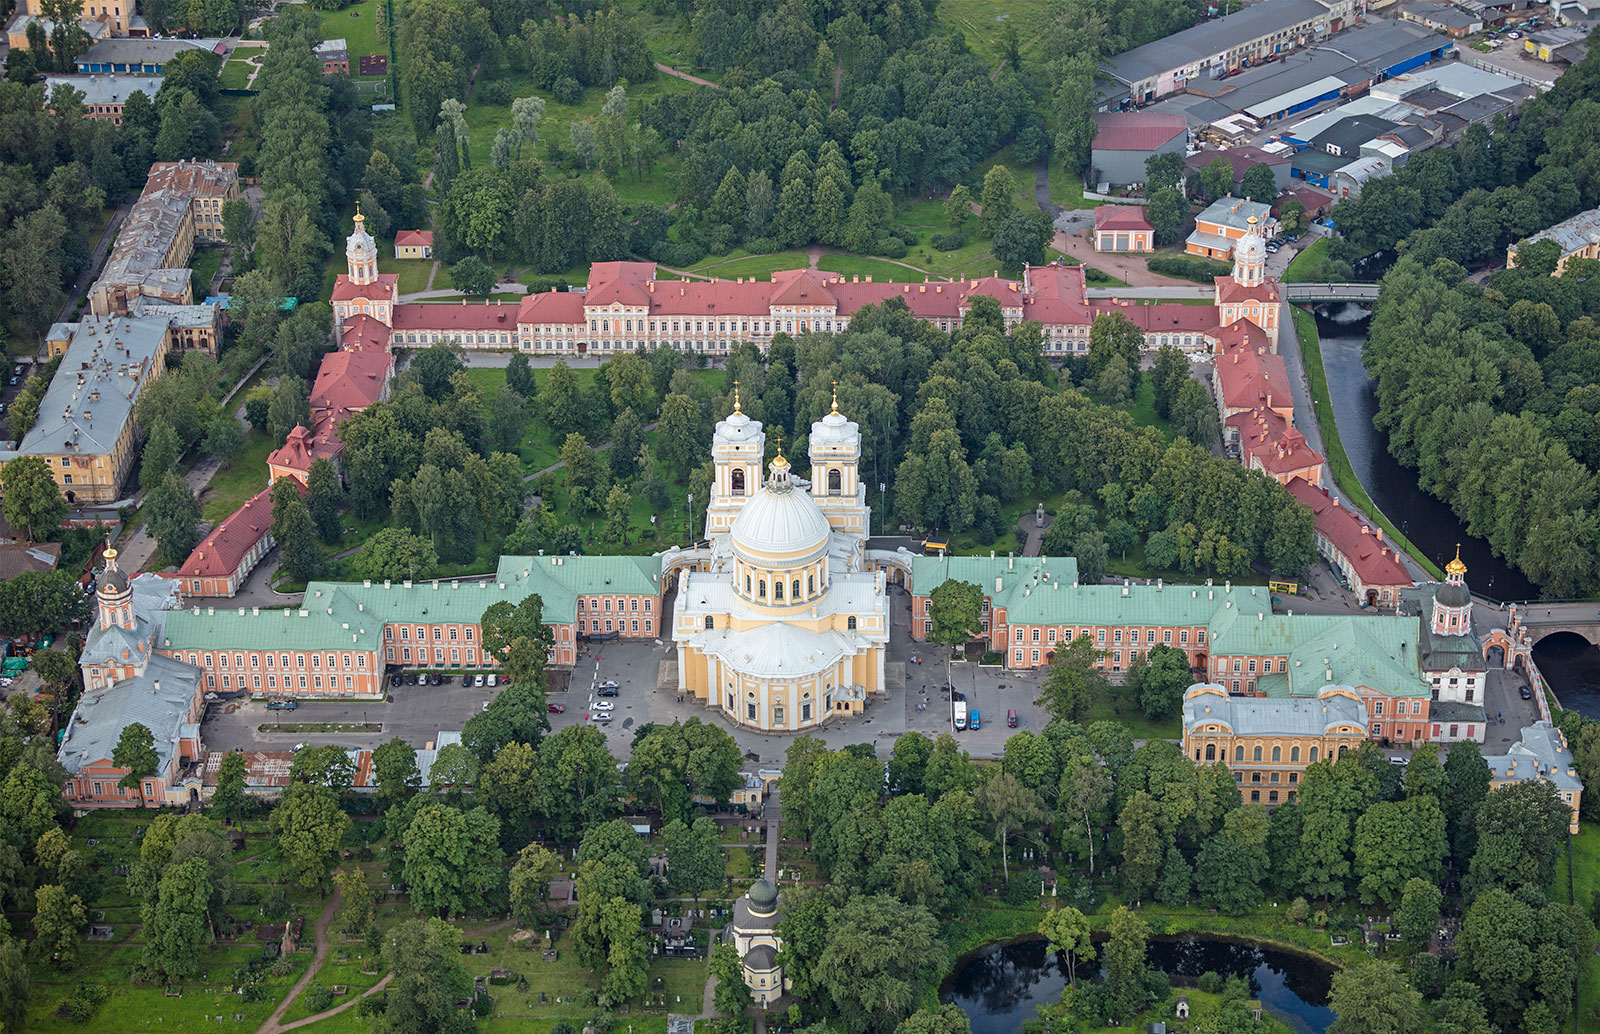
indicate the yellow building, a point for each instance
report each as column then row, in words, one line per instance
column 778, row 623
column 755, row 938
column 1268, row 742
column 180, row 206
column 1542, row 754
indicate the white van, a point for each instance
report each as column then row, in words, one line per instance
column 961, row 714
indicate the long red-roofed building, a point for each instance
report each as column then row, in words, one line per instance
column 227, row 554
column 1354, row 548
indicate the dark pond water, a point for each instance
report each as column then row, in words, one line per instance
column 1424, row 520
column 1572, row 668
column 1001, row 986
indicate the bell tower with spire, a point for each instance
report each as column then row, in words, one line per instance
column 361, row 253
column 114, row 595
column 1452, row 603
column 1250, row 256
column 737, row 449
column 835, row 450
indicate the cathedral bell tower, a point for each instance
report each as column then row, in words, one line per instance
column 737, row 449
column 835, row 450
column 361, row 252
column 1452, row 603
column 114, row 595
column 1250, row 256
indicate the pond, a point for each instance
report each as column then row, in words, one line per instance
column 1002, row 985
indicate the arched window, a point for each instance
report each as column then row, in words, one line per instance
column 762, row 588
column 708, row 623
column 834, row 482
column 1313, row 755
column 1257, row 756
column 777, row 590
column 1277, row 754
column 747, row 585
column 811, row 585
column 850, row 623
column 1294, row 755
column 1238, row 753
column 738, row 482
column 1211, row 752
column 794, row 593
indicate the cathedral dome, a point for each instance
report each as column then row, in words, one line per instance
column 834, row 430
column 763, row 896
column 1251, row 249
column 780, row 523
column 1453, row 594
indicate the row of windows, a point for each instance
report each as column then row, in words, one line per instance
column 456, row 656
column 268, row 660
column 122, row 791
column 1211, row 754
column 583, row 626
column 272, row 682
column 1399, row 707
column 1116, row 636
column 605, row 604
column 422, row 632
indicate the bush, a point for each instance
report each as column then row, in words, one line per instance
column 318, row 999
column 679, row 256
column 84, row 1003
column 762, row 246
column 1095, row 276
column 891, row 247
column 567, row 90
column 1021, row 889
column 495, row 91
column 482, row 1005
column 1189, row 267
column 1210, row 982
column 722, row 239
column 949, row 241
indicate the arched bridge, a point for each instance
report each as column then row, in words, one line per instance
column 1329, row 292
column 1546, row 619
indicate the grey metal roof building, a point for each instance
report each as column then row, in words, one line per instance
column 91, row 397
column 109, row 89
column 1276, row 716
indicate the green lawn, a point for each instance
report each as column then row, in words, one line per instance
column 983, row 23
column 739, row 263
column 881, row 270
column 240, row 480
column 203, row 269
column 1306, row 267
column 236, row 72
column 1305, row 326
column 414, row 274
column 1584, row 883
column 357, row 25
column 1066, row 189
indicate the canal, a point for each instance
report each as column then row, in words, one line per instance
column 1570, row 665
column 1000, row 986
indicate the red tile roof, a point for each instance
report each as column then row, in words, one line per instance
column 551, row 307
column 1230, row 290
column 461, row 316
column 219, row 553
column 306, row 445
column 1120, row 217
column 606, row 272
column 363, row 331
column 1362, row 545
column 346, row 290
column 1136, row 130
column 1252, row 377
column 1168, row 317
column 414, row 237
column 351, row 379
column 1241, row 158
column 1271, row 439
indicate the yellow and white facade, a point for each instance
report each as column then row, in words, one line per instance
column 778, row 623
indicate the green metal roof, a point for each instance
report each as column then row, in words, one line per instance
column 332, row 621
column 1378, row 652
column 346, row 615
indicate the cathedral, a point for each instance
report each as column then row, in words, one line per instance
column 778, row 622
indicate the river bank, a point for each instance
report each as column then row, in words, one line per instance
column 1344, row 475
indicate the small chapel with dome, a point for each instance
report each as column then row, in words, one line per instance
column 755, row 937
column 780, row 624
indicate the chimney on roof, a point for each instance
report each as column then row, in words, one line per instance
column 1366, row 530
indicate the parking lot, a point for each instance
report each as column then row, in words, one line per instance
column 419, row 713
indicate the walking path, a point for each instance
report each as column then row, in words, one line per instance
column 454, row 294
column 337, row 1009
column 97, row 256
column 685, row 76
column 651, row 426
column 273, row 1023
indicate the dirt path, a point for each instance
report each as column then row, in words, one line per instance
column 274, row 1023
column 341, row 1007
column 651, row 426
column 685, row 76
column 484, row 931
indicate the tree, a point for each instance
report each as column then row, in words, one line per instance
column 394, row 766
column 619, row 508
column 1177, row 879
column 1168, row 376
column 958, row 206
column 14, row 983
column 453, row 858
column 1258, row 184
column 1066, row 931
column 473, row 276
column 358, row 908
column 295, row 532
column 309, row 826
column 998, row 199
column 325, row 499
column 519, row 377
column 32, row 503
column 395, row 555
column 956, row 612
column 672, row 764
column 1194, row 415
column 1020, row 239
column 1215, row 180
column 1417, row 918
column 1374, row 998
column 435, row 366
column 1124, row 959
column 228, row 798
column 290, row 408
column 175, row 920
column 732, row 996
column 424, row 956
column 1075, row 681
column 58, row 917
column 1010, row 807
column 1163, row 681
column 1141, row 842
column 40, row 601
column 536, row 867
column 173, row 517
column 880, row 957
column 224, row 438
column 1167, row 213
column 947, row 1019
column 694, row 856
column 502, row 624
column 1292, row 217
column 239, row 227
column 161, row 451
column 1163, row 170
column 136, row 752
column 526, row 114
column 327, row 766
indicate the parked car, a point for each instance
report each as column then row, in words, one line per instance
column 395, row 680
column 600, row 716
column 556, row 709
column 608, row 684
column 606, row 691
column 466, row 680
column 279, row 704
column 477, row 680
column 974, row 721
column 485, row 706
column 437, row 680
column 413, row 679
column 1011, row 719
column 212, row 698
column 494, row 680
column 604, row 705
column 1525, row 693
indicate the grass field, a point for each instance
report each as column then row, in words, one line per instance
column 203, row 269
column 414, row 273
column 1305, row 326
column 240, row 480
column 357, row 25
column 236, row 70
column 983, row 23
column 1306, row 267
column 739, row 263
column 881, row 270
column 1583, row 884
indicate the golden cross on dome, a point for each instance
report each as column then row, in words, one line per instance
column 736, row 396
column 780, row 446
column 835, row 397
